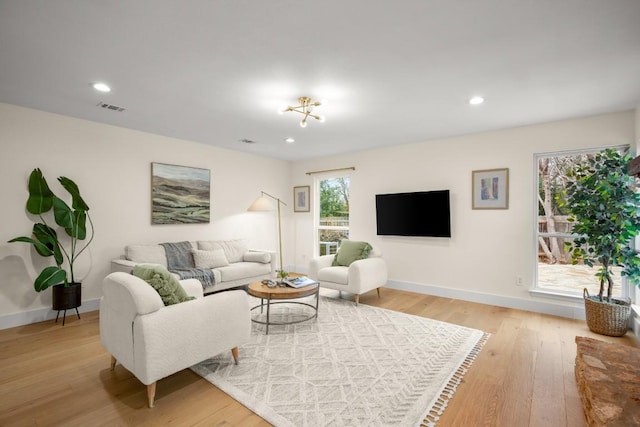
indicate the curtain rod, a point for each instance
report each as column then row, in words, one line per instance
column 332, row 170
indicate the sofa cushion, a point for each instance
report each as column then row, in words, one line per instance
column 262, row 257
column 337, row 274
column 243, row 270
column 209, row 259
column 350, row 251
column 165, row 283
column 152, row 254
column 234, row 250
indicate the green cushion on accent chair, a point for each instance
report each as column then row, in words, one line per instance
column 165, row 283
column 350, row 251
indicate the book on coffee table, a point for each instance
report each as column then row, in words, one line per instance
column 299, row 282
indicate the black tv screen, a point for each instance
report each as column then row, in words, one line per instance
column 424, row 213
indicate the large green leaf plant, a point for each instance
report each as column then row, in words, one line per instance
column 45, row 238
column 605, row 211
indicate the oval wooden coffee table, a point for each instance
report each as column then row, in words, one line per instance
column 283, row 295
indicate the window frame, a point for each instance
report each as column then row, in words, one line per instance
column 627, row 290
column 316, row 208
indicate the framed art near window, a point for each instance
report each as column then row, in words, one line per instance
column 179, row 194
column 490, row 189
column 301, row 198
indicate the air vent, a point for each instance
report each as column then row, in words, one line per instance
column 248, row 141
column 110, row 106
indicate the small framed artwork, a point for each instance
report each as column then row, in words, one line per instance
column 301, row 198
column 490, row 188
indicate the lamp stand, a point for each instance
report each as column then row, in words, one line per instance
column 280, row 237
column 263, row 204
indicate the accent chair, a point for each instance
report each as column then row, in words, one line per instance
column 153, row 341
column 359, row 277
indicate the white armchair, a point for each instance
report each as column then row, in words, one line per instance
column 358, row 278
column 153, row 341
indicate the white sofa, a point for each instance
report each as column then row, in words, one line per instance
column 243, row 265
column 153, row 341
column 358, row 278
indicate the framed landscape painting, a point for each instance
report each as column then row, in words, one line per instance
column 490, row 188
column 301, row 198
column 179, row 194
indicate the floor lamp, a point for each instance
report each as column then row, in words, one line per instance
column 262, row 204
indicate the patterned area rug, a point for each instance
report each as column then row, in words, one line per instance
column 353, row 366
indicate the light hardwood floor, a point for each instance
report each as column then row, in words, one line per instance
column 54, row 375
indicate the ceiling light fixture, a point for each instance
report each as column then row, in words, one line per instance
column 289, row 140
column 102, row 87
column 476, row 100
column 305, row 108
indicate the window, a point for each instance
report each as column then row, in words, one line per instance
column 555, row 273
column 331, row 213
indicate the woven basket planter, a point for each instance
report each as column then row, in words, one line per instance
column 607, row 318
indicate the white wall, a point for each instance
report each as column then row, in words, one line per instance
column 111, row 166
column 488, row 248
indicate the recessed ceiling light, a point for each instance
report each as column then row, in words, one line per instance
column 102, row 87
column 290, row 140
column 476, row 100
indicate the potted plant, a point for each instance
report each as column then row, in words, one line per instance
column 47, row 242
column 605, row 211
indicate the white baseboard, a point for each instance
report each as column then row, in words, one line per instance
column 42, row 314
column 572, row 311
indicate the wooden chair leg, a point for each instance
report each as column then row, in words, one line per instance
column 113, row 362
column 234, row 352
column 151, row 394
column 378, row 289
column 357, row 299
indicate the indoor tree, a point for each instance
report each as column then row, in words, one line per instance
column 605, row 211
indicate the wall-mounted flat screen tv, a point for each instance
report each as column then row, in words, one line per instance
column 423, row 213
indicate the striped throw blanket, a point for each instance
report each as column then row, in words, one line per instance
column 180, row 262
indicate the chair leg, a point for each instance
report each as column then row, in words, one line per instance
column 378, row 289
column 113, row 363
column 151, row 394
column 357, row 299
column 234, row 352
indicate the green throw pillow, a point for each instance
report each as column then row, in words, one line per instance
column 350, row 251
column 165, row 283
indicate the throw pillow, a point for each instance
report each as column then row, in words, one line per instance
column 261, row 257
column 165, row 283
column 233, row 249
column 350, row 251
column 209, row 259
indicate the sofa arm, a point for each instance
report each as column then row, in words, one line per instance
column 319, row 263
column 273, row 259
column 129, row 295
column 367, row 274
column 123, row 265
column 124, row 297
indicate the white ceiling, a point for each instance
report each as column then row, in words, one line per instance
column 394, row 72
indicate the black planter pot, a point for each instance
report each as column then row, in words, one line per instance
column 66, row 298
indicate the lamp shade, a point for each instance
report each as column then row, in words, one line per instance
column 261, row 204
